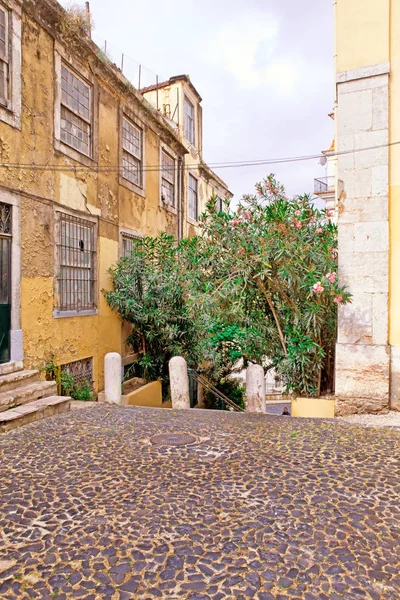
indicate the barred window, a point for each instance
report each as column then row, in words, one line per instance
column 193, row 198
column 132, row 152
column 76, row 112
column 189, row 121
column 167, row 179
column 129, row 242
column 81, row 370
column 4, row 54
column 77, row 255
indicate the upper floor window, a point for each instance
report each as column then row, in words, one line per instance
column 132, row 152
column 193, row 198
column 4, row 55
column 76, row 263
column 219, row 205
column 129, row 243
column 189, row 121
column 167, row 178
column 76, row 112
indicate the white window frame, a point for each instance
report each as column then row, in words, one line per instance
column 126, row 113
column 164, row 149
column 62, row 313
column 189, row 101
column 127, row 151
column 87, row 121
column 60, row 56
column 10, row 106
column 189, row 217
column 125, row 233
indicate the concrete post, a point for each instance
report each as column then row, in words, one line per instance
column 112, row 377
column 179, row 382
column 255, row 389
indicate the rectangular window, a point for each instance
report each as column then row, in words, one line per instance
column 219, row 204
column 77, row 254
column 192, row 198
column 189, row 121
column 129, row 242
column 4, row 54
column 167, row 179
column 132, row 152
column 76, row 112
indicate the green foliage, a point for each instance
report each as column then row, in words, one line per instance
column 78, row 390
column 232, row 389
column 259, row 282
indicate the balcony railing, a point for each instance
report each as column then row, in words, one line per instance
column 324, row 185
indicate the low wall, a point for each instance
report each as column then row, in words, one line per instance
column 147, row 395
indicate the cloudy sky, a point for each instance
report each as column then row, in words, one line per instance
column 264, row 69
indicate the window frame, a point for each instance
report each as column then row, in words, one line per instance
column 188, row 101
column 60, row 57
column 11, row 105
column 125, row 151
column 189, row 189
column 6, row 58
column 165, row 149
column 88, row 121
column 74, row 312
column 127, row 114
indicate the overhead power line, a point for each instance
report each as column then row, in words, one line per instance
column 216, row 165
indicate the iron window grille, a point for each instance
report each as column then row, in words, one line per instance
column 193, row 198
column 189, row 121
column 76, row 112
column 4, row 54
column 132, row 153
column 77, row 254
column 5, row 251
column 81, row 370
column 129, row 242
column 167, row 179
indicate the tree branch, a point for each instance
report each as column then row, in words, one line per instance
column 261, row 287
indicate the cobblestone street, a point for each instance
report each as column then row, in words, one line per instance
column 258, row 507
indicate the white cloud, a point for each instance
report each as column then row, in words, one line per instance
column 247, row 48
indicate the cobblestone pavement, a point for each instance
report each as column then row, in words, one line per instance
column 259, row 507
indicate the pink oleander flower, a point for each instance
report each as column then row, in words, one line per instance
column 338, row 300
column 297, row 213
column 334, row 251
column 319, row 230
column 298, row 225
column 235, row 222
column 318, row 288
column 240, row 251
column 331, row 277
column 313, row 219
column 291, row 224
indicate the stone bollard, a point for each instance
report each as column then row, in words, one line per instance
column 112, row 377
column 255, row 389
column 179, row 383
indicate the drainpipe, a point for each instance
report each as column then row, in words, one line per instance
column 180, row 197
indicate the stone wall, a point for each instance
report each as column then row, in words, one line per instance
column 363, row 352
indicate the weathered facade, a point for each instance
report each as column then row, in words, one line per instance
column 368, row 194
column 86, row 166
column 180, row 103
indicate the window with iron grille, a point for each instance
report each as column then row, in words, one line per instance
column 167, row 178
column 132, row 153
column 189, row 121
column 76, row 112
column 4, row 54
column 193, row 198
column 77, row 255
column 81, row 370
column 129, row 242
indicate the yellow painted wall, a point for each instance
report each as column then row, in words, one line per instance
column 87, row 192
column 362, row 33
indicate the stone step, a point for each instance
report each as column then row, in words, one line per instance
column 27, row 393
column 10, row 381
column 11, row 367
column 34, row 411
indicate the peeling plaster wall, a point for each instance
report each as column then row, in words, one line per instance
column 87, row 193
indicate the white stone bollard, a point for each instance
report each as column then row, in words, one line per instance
column 179, row 383
column 112, row 377
column 255, row 389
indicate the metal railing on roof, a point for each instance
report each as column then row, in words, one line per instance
column 322, row 185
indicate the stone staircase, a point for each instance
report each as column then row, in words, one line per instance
column 25, row 399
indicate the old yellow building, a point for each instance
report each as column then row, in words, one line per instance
column 87, row 165
column 368, row 193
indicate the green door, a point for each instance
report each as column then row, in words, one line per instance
column 5, row 282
